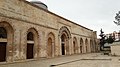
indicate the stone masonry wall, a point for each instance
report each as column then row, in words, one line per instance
column 22, row 16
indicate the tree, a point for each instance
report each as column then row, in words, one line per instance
column 110, row 39
column 117, row 18
column 102, row 40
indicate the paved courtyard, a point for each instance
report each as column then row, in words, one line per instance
column 83, row 60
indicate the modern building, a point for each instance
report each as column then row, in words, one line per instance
column 115, row 35
column 28, row 31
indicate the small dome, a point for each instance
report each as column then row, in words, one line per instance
column 40, row 4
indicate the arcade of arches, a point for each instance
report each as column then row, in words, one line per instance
column 65, row 37
column 32, row 33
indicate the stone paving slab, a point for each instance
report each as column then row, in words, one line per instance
column 84, row 60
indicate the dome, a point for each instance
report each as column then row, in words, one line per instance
column 40, row 4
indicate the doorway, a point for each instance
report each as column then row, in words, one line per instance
column 30, row 51
column 63, row 49
column 50, row 47
column 3, row 43
column 3, row 51
column 30, row 45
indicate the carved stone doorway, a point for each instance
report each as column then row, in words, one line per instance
column 64, row 35
column 63, row 44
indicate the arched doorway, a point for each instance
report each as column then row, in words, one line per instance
column 86, row 45
column 91, row 45
column 95, row 46
column 32, row 43
column 51, row 45
column 6, row 41
column 65, row 36
column 81, row 45
column 75, row 46
column 3, row 43
column 63, row 43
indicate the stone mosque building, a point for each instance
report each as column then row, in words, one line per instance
column 29, row 31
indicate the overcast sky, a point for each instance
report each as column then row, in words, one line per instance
column 93, row 14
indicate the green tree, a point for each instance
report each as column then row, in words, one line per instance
column 110, row 39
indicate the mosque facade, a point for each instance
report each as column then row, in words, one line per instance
column 28, row 31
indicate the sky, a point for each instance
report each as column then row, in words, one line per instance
column 93, row 14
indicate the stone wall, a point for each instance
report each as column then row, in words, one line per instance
column 22, row 16
column 115, row 49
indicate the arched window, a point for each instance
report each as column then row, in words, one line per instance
column 3, row 33
column 30, row 36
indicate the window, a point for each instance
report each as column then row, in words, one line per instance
column 3, row 33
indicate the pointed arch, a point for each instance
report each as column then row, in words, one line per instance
column 50, row 45
column 95, row 46
column 91, row 45
column 64, row 35
column 65, row 30
column 32, row 43
column 6, row 41
column 86, row 45
column 75, row 45
column 81, row 45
